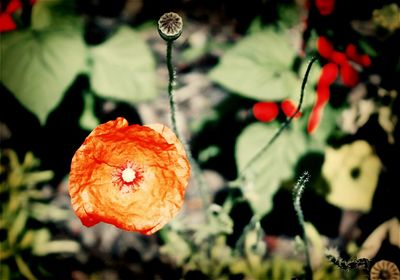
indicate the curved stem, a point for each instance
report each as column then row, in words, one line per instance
column 256, row 157
column 297, row 193
column 196, row 169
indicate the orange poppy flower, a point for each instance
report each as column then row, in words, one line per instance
column 133, row 177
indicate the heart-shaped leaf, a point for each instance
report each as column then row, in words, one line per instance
column 123, row 68
column 265, row 175
column 260, row 67
column 38, row 66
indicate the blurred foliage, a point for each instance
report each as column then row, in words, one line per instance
column 35, row 56
column 123, row 68
column 53, row 49
column 260, row 67
column 22, row 203
column 250, row 258
column 265, row 63
column 352, row 172
column 388, row 17
column 265, row 176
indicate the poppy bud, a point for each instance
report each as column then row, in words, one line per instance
column 265, row 111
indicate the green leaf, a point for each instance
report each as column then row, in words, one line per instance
column 88, row 119
column 42, row 236
column 259, row 67
column 24, row 268
column 17, row 226
column 5, row 251
column 277, row 164
column 30, row 161
column 27, row 239
column 54, row 14
column 175, row 247
column 5, row 272
column 251, row 247
column 40, row 66
column 123, row 68
column 36, row 177
column 47, row 212
column 57, row 246
column 218, row 222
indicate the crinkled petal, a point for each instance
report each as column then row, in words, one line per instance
column 158, row 158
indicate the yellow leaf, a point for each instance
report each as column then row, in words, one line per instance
column 24, row 268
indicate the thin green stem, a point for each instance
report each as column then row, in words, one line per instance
column 171, row 82
column 196, row 169
column 297, row 193
column 283, row 126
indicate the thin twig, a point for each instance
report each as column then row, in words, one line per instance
column 257, row 156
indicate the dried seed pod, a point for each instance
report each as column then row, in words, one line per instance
column 384, row 270
column 170, row 26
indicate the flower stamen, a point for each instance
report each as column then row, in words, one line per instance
column 127, row 177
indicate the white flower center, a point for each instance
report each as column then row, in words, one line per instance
column 128, row 175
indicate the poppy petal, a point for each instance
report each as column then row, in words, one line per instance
column 7, row 23
column 362, row 59
column 13, row 6
column 265, row 111
column 325, row 7
column 328, row 75
column 133, row 177
column 338, row 58
column 325, row 48
column 315, row 117
column 351, row 52
column 289, row 108
column 323, row 94
column 349, row 75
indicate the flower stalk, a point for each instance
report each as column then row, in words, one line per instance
column 297, row 193
column 170, row 27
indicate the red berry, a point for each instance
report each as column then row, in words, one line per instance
column 289, row 108
column 265, row 111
